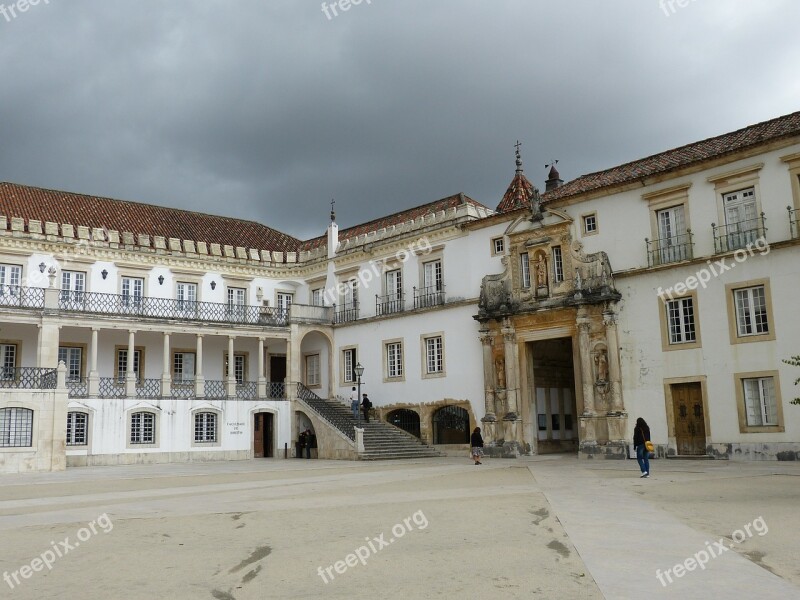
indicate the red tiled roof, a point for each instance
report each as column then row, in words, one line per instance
column 678, row 158
column 517, row 195
column 395, row 219
column 120, row 215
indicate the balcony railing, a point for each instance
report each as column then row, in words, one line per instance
column 78, row 388
column 346, row 313
column 148, row 389
column 28, row 378
column 794, row 221
column 215, row 390
column 111, row 387
column 183, row 389
column 390, row 304
column 669, row 250
column 167, row 308
column 429, row 296
column 246, row 390
column 734, row 236
column 22, row 297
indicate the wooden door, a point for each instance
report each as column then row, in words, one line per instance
column 690, row 422
column 258, row 435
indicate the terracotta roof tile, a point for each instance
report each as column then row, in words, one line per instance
column 120, row 215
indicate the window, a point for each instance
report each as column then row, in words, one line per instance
column 10, row 276
column 742, row 224
column 132, row 292
column 432, row 276
column 393, row 286
column 673, row 242
column 236, row 302
column 498, row 246
column 73, row 286
column 205, row 427
column 434, row 355
column 8, row 361
column 590, row 223
column 312, row 371
column 751, row 311
column 73, row 359
column 525, row 270
column 284, row 302
column 76, row 428
column 239, row 367
column 350, row 298
column 16, row 428
column 759, row 399
column 394, row 360
column 183, row 367
column 143, row 428
column 122, row 364
column 558, row 265
column 316, row 297
column 348, row 365
column 186, row 295
column 680, row 317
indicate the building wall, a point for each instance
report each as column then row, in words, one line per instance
column 46, row 452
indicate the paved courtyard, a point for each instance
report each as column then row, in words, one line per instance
column 549, row 527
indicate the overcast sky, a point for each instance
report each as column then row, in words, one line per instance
column 267, row 109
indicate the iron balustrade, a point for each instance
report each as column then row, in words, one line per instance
column 347, row 313
column 78, row 388
column 183, row 390
column 246, row 390
column 390, row 304
column 429, row 296
column 735, row 236
column 28, row 378
column 168, row 308
column 669, row 250
column 148, row 389
column 276, row 390
column 794, row 221
column 215, row 390
column 111, row 388
column 18, row 296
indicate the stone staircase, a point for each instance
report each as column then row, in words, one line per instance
column 382, row 441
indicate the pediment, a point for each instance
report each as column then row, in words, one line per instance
column 551, row 218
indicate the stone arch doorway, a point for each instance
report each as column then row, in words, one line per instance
column 451, row 426
column 405, row 419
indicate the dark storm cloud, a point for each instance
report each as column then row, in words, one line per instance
column 267, row 109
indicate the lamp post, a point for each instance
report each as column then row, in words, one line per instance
column 359, row 369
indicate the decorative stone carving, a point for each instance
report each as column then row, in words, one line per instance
column 592, row 271
column 500, row 369
column 495, row 293
column 601, row 366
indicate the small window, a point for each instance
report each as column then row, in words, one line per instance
column 239, row 367
column 205, row 427
column 132, row 292
column 590, row 223
column 348, row 365
column 760, row 404
column 284, row 302
column 434, row 355
column 16, row 428
column 558, row 265
column 186, row 295
column 312, row 370
column 394, row 360
column 8, row 362
column 73, row 359
column 316, row 297
column 183, row 367
column 751, row 311
column 122, row 364
column 525, row 270
column 143, row 428
column 498, row 246
column 76, row 428
column 680, row 317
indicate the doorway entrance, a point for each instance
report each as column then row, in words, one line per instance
column 277, row 375
column 552, row 395
column 689, row 418
column 263, row 435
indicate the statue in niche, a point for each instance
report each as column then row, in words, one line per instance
column 541, row 272
column 500, row 370
column 601, row 366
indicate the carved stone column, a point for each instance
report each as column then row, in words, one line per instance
column 488, row 374
column 614, row 376
column 512, row 376
column 586, row 366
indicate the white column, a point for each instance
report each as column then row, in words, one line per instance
column 512, row 387
column 94, row 376
column 488, row 374
column 614, row 375
column 130, row 376
column 231, row 371
column 166, row 376
column 199, row 379
column 262, row 380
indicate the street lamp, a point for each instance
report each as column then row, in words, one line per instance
column 359, row 369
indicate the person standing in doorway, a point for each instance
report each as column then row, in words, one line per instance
column 641, row 434
column 476, row 443
column 309, row 442
column 354, row 403
column 366, row 404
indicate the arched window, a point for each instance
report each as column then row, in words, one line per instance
column 405, row 419
column 205, row 427
column 451, row 426
column 16, row 428
column 76, row 428
column 143, row 428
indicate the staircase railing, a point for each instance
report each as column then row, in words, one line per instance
column 325, row 411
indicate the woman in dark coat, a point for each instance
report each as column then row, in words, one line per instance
column 641, row 434
column 476, row 442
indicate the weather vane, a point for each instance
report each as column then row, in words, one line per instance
column 333, row 214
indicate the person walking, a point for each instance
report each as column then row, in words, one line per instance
column 354, row 403
column 641, row 434
column 476, row 443
column 365, row 406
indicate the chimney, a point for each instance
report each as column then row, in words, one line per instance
column 553, row 179
column 333, row 234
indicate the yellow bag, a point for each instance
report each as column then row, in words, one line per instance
column 648, row 445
